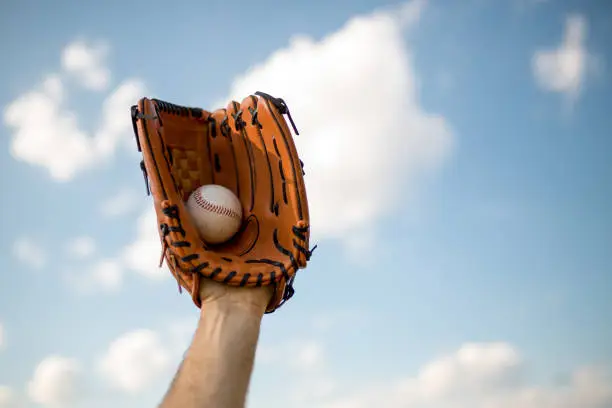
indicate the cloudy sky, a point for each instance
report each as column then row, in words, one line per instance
column 458, row 172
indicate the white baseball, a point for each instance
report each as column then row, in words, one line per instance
column 216, row 212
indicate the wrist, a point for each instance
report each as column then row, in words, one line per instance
column 233, row 300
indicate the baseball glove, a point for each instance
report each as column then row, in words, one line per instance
column 248, row 148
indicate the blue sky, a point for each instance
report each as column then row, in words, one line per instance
column 458, row 172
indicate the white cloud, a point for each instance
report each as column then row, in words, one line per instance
column 55, row 382
column 103, row 275
column 54, row 140
column 364, row 138
column 134, row 361
column 478, row 375
column 309, row 391
column 306, row 356
column 121, row 203
column 115, row 128
column 29, row 252
column 564, row 69
column 306, row 362
column 142, row 255
column 86, row 62
column 107, row 274
column 472, row 369
column 81, row 247
column 6, row 396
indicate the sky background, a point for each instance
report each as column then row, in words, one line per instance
column 459, row 178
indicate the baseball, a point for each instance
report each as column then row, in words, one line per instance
column 216, row 212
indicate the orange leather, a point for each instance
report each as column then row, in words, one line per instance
column 248, row 148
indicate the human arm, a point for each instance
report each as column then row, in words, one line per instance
column 217, row 367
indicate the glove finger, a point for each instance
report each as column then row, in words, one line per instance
column 266, row 195
column 222, row 155
column 293, row 205
column 243, row 152
column 287, row 168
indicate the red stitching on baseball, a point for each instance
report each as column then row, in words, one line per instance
column 207, row 205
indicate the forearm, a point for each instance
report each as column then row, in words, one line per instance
column 217, row 367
